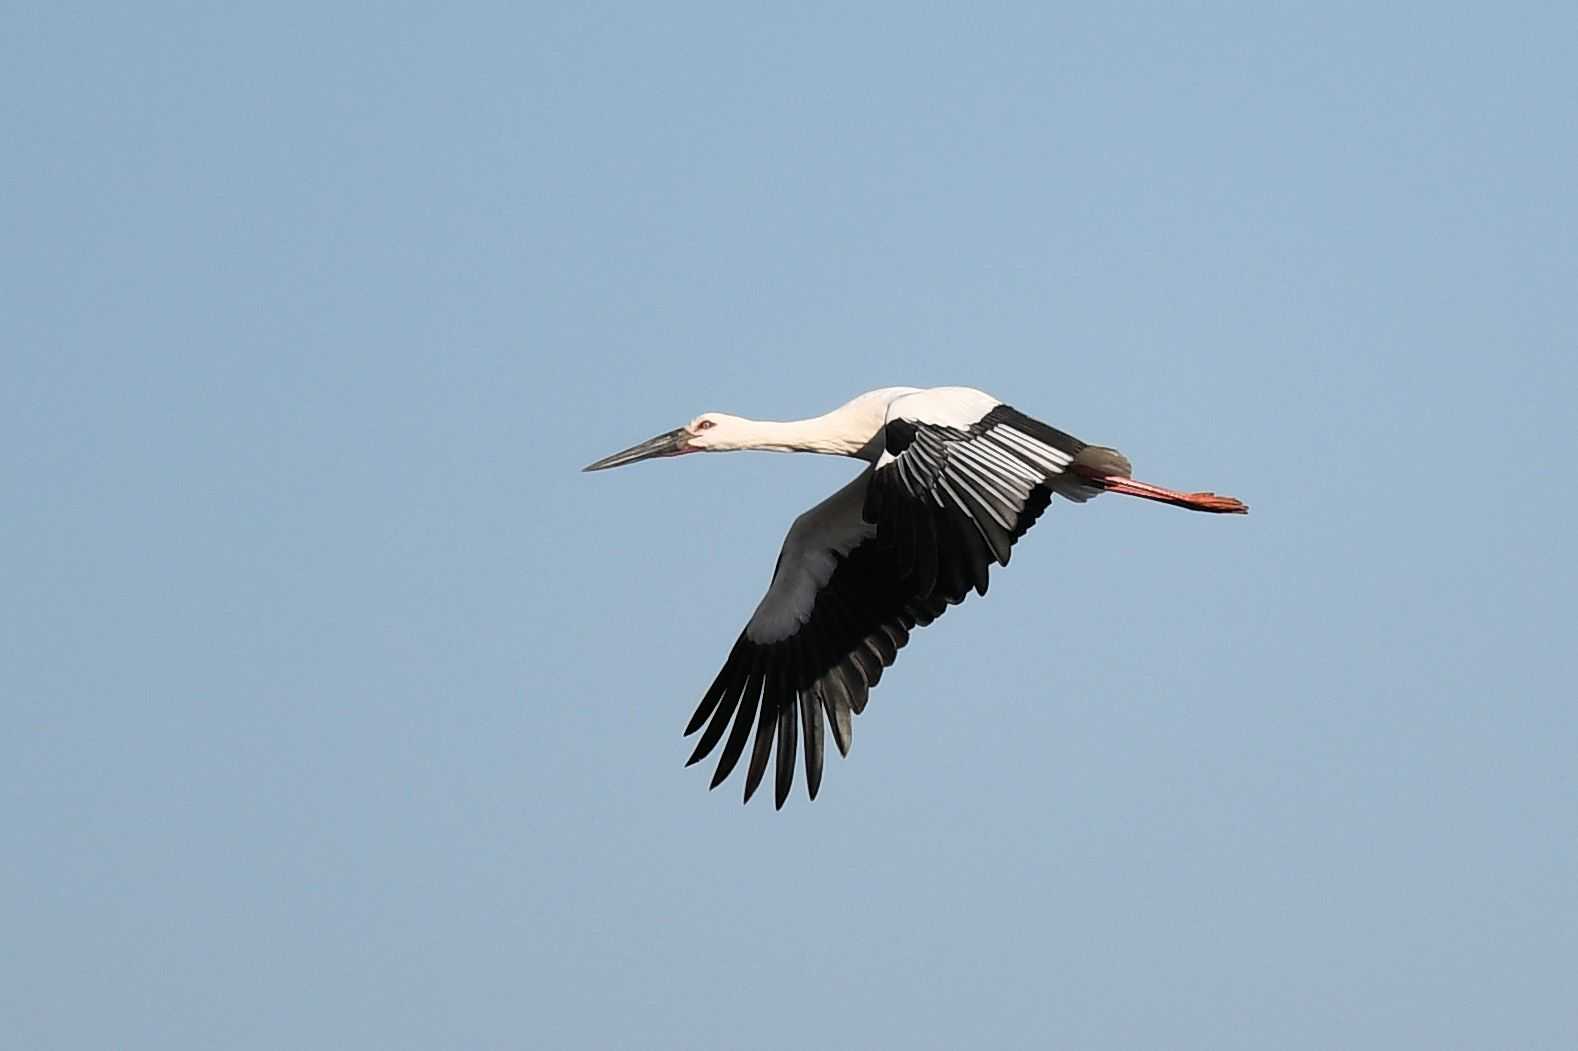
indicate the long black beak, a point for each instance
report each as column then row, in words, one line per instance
column 670, row 444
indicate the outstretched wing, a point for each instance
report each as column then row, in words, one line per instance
column 832, row 619
column 859, row 571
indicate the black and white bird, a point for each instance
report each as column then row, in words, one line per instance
column 955, row 479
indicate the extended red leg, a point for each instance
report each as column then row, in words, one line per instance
column 1222, row 505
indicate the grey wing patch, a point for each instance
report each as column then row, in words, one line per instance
column 816, row 543
column 997, row 475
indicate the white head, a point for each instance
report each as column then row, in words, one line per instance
column 709, row 432
column 852, row 429
column 720, row 432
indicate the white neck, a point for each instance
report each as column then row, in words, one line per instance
column 820, row 434
column 852, row 429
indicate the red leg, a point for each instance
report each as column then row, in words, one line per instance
column 1225, row 505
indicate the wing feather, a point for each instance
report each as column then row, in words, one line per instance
column 743, row 721
column 784, row 778
column 766, row 720
column 811, row 727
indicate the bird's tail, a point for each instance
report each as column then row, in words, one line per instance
column 1084, row 476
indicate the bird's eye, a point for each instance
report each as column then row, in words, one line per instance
column 702, row 425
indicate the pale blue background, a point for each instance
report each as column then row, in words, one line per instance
column 340, row 710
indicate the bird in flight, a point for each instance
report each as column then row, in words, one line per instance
column 955, row 478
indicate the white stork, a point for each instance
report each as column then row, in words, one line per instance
column 955, row 478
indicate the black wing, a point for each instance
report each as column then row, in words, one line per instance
column 860, row 572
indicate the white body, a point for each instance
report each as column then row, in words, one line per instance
column 834, row 527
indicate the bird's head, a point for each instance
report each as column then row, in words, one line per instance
column 709, row 432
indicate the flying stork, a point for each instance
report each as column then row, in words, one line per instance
column 955, row 478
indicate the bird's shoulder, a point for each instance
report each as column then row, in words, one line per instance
column 958, row 407
column 949, row 412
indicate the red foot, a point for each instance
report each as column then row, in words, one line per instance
column 1222, row 505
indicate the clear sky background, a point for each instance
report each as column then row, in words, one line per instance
column 340, row 710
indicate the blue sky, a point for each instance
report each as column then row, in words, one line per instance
column 341, row 710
